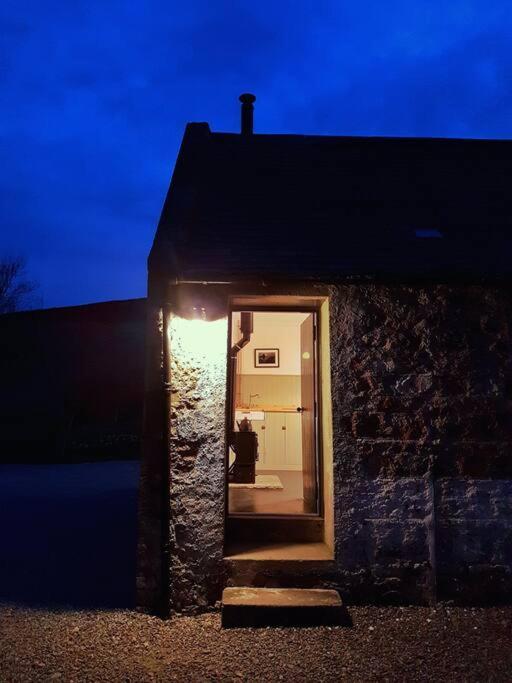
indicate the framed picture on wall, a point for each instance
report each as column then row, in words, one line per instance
column 266, row 358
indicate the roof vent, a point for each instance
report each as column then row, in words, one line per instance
column 428, row 233
column 247, row 101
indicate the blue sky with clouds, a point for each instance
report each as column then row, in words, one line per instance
column 95, row 95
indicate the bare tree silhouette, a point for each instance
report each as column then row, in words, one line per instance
column 16, row 290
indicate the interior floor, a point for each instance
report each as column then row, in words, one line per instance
column 286, row 501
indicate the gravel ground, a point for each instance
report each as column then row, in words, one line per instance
column 385, row 644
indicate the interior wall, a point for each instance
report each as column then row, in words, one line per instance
column 271, row 330
column 271, row 390
column 279, row 434
column 274, row 386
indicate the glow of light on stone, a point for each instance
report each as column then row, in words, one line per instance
column 199, row 341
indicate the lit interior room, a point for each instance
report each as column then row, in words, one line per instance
column 273, row 451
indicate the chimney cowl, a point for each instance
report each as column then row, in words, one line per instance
column 247, row 100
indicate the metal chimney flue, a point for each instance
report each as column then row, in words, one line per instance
column 247, row 101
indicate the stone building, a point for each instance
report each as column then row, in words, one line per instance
column 348, row 297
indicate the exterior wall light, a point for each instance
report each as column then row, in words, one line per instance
column 198, row 313
column 198, row 342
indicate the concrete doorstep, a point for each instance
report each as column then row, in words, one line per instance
column 260, row 607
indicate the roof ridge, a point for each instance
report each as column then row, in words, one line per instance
column 368, row 138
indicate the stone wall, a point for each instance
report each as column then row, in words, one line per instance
column 421, row 381
column 474, row 539
column 198, row 372
column 422, row 391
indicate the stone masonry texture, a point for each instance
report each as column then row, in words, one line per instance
column 198, row 368
column 422, row 407
column 421, row 380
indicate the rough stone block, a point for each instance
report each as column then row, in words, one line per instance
column 247, row 606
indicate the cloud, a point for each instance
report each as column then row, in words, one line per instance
column 462, row 92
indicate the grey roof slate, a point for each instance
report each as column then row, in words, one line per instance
column 329, row 208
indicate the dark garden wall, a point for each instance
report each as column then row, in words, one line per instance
column 72, row 383
column 153, row 501
column 422, row 422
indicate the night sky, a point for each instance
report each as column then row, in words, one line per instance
column 95, row 96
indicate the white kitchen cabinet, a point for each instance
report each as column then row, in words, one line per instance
column 293, row 441
column 260, row 428
column 279, row 441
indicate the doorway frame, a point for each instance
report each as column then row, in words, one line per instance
column 298, row 304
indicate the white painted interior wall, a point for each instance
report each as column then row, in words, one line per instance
column 279, row 434
column 271, row 330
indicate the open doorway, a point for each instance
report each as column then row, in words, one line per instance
column 274, row 463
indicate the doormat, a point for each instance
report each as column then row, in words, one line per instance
column 263, row 481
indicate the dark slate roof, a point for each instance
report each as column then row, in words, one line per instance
column 328, row 208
